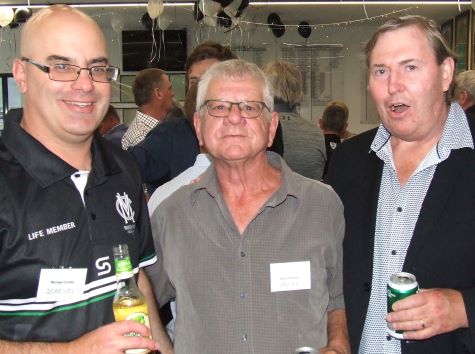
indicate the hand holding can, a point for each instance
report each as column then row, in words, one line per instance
column 400, row 286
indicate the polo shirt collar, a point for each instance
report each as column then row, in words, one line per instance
column 43, row 165
column 289, row 187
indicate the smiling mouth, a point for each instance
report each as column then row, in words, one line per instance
column 398, row 108
column 79, row 104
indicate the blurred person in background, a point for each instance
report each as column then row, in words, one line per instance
column 464, row 92
column 111, row 128
column 304, row 143
column 333, row 124
column 153, row 94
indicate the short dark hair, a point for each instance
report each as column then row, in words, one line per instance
column 208, row 50
column 145, row 82
column 335, row 116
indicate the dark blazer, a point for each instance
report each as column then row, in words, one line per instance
column 442, row 250
column 168, row 149
column 115, row 134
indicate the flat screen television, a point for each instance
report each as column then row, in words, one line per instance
column 170, row 50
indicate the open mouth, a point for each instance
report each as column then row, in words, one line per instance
column 399, row 107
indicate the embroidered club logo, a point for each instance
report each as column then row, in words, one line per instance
column 123, row 205
column 333, row 145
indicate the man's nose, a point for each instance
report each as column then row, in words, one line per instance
column 394, row 82
column 84, row 80
column 234, row 116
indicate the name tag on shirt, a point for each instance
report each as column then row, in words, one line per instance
column 60, row 284
column 290, row 276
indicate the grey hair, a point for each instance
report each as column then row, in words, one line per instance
column 465, row 81
column 286, row 81
column 232, row 70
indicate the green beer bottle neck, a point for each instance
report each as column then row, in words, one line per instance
column 123, row 268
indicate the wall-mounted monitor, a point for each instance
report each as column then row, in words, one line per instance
column 170, row 50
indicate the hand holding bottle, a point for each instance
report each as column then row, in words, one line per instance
column 129, row 303
column 113, row 339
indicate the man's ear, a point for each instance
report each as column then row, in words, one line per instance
column 197, row 122
column 447, row 68
column 158, row 93
column 274, row 123
column 18, row 70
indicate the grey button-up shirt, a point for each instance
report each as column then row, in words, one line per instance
column 222, row 279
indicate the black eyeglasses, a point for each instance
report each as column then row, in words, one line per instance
column 68, row 72
column 222, row 108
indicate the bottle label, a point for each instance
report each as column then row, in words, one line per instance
column 142, row 318
column 139, row 317
column 123, row 266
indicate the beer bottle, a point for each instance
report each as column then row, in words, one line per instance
column 129, row 302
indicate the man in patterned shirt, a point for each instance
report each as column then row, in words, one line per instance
column 408, row 188
column 153, row 95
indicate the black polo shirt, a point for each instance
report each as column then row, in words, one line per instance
column 44, row 224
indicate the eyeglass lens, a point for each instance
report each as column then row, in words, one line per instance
column 66, row 72
column 221, row 109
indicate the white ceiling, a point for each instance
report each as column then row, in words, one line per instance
column 315, row 15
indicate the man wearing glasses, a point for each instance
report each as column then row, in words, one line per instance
column 66, row 198
column 252, row 251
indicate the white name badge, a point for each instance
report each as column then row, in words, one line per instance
column 60, row 284
column 290, row 276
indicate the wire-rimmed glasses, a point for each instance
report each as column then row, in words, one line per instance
column 69, row 72
column 222, row 108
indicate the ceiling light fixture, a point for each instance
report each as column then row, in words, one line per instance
column 107, row 5
column 367, row 3
column 263, row 3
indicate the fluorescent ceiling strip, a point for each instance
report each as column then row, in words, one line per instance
column 367, row 3
column 264, row 3
column 104, row 5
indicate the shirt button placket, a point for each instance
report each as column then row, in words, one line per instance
column 243, row 316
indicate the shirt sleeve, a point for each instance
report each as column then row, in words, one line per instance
column 147, row 255
column 157, row 273
column 335, row 260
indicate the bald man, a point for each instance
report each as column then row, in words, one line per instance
column 66, row 199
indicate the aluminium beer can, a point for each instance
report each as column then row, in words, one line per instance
column 400, row 286
column 305, row 350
